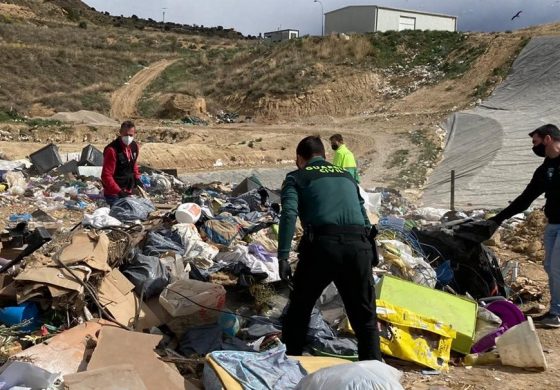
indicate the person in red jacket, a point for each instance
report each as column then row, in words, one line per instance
column 120, row 172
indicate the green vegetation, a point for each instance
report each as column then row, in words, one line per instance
column 414, row 175
column 398, row 159
column 14, row 116
column 236, row 78
column 448, row 52
column 96, row 101
column 10, row 116
column 36, row 122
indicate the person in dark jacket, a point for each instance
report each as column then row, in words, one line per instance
column 546, row 179
column 336, row 247
column 120, row 174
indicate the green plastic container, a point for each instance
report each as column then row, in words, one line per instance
column 456, row 311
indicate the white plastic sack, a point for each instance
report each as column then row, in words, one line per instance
column 199, row 252
column 16, row 183
column 9, row 165
column 100, row 219
column 207, row 294
column 240, row 253
column 372, row 201
column 430, row 214
column 160, row 182
column 188, row 213
column 175, row 266
column 365, row 375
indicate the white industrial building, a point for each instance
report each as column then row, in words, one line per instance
column 281, row 35
column 372, row 18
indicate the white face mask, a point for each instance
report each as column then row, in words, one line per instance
column 127, row 139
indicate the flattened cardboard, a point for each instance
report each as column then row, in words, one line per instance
column 114, row 288
column 118, row 377
column 58, row 277
column 116, row 295
column 64, row 352
column 89, row 248
column 118, row 346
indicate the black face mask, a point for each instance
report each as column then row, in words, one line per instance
column 334, row 147
column 540, row 150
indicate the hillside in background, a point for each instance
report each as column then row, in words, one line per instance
column 335, row 75
column 62, row 55
column 386, row 92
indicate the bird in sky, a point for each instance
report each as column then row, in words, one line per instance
column 516, row 15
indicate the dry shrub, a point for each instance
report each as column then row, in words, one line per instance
column 329, row 47
column 360, row 47
column 203, row 59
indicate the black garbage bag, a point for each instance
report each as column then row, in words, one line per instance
column 476, row 231
column 131, row 209
column 162, row 242
column 321, row 337
column 475, row 267
column 148, row 275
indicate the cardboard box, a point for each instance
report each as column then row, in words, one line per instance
column 457, row 311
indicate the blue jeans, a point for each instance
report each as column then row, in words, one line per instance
column 552, row 265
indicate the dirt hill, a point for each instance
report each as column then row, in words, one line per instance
column 63, row 56
column 386, row 93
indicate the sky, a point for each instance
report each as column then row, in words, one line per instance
column 252, row 17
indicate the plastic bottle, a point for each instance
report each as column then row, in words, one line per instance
column 481, row 359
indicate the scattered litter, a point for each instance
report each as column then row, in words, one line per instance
column 196, row 267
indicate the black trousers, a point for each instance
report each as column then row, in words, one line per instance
column 344, row 259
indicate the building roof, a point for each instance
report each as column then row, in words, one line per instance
column 279, row 31
column 393, row 9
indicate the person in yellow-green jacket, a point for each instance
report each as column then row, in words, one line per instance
column 343, row 157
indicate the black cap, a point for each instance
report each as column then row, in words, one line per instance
column 545, row 130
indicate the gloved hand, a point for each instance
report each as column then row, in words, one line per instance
column 477, row 231
column 123, row 194
column 139, row 184
column 285, row 270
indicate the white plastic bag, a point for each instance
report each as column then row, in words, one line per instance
column 431, row 214
column 16, row 183
column 199, row 252
column 364, row 375
column 240, row 253
column 100, row 219
column 372, row 201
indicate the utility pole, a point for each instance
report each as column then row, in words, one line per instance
column 322, row 16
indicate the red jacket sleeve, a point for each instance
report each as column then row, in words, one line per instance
column 136, row 169
column 110, row 186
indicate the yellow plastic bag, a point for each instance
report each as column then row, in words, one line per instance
column 412, row 337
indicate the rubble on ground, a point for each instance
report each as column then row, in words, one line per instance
column 181, row 289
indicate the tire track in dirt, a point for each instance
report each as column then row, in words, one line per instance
column 124, row 99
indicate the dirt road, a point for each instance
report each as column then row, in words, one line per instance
column 124, row 99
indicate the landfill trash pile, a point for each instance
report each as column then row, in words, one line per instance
column 194, row 120
column 525, row 235
column 181, row 288
column 226, row 117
